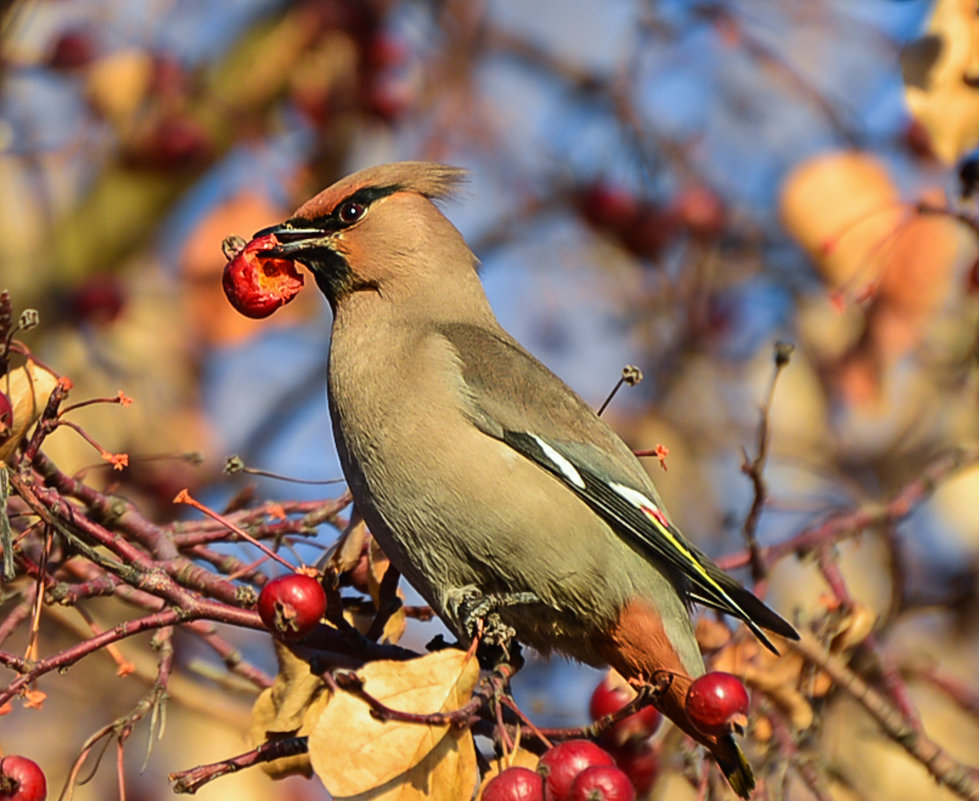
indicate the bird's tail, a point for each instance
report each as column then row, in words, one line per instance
column 734, row 765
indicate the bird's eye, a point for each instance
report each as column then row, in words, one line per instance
column 350, row 212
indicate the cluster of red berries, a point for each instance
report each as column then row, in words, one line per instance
column 21, row 780
column 625, row 764
column 646, row 228
column 576, row 770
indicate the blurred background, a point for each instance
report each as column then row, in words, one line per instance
column 675, row 185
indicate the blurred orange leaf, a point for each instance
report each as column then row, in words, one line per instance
column 842, row 208
column 117, row 84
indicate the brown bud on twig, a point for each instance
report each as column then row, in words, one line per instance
column 783, row 352
column 631, row 375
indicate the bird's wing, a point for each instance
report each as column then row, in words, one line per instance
column 514, row 398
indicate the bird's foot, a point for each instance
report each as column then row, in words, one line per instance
column 479, row 617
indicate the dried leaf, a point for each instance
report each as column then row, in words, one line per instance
column 28, row 388
column 379, row 563
column 712, row 635
column 941, row 78
column 353, row 752
column 447, row 773
column 854, row 628
column 842, row 208
column 288, row 708
column 345, row 553
column 779, row 677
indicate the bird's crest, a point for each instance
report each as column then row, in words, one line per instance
column 430, row 179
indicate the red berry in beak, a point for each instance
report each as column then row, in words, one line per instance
column 257, row 285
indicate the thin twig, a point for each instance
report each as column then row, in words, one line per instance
column 631, row 375
column 755, row 468
column 190, row 781
column 961, row 779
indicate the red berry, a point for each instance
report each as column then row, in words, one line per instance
column 98, row 299
column 389, row 100
column 562, row 763
column 608, row 207
column 515, row 784
column 639, row 762
column 257, row 285
column 602, row 783
column 607, row 699
column 73, row 49
column 179, row 141
column 290, row 606
column 651, row 231
column 173, row 142
column 385, row 51
column 6, row 415
column 701, row 211
column 21, row 780
column 918, row 140
column 717, row 704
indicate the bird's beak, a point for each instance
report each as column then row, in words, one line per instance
column 293, row 241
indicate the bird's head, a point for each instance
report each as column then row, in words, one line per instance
column 378, row 231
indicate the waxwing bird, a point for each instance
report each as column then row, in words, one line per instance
column 478, row 470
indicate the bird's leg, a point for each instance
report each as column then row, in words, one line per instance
column 478, row 615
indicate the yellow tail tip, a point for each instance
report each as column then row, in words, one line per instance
column 736, row 768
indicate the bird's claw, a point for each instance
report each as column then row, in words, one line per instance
column 479, row 617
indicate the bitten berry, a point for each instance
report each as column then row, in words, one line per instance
column 717, row 704
column 257, row 285
column 290, row 606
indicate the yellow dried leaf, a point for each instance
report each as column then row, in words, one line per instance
column 378, row 564
column 345, row 553
column 793, row 703
column 288, row 708
column 395, row 626
column 353, row 752
column 447, row 773
column 854, row 628
column 941, row 78
column 28, row 388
